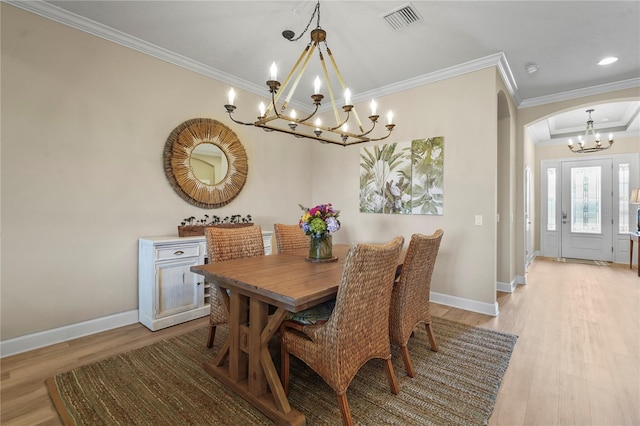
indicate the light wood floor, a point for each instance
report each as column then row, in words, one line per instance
column 576, row 361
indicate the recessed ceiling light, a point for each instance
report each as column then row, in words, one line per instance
column 608, row 60
column 531, row 68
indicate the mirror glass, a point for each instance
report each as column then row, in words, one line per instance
column 209, row 164
column 205, row 163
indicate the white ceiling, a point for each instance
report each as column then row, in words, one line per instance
column 236, row 42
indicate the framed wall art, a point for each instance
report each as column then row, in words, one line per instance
column 403, row 178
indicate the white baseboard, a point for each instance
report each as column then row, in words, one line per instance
column 73, row 331
column 466, row 304
column 62, row 334
column 507, row 287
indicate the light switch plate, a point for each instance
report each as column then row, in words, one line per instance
column 479, row 220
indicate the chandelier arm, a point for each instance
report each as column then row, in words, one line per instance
column 303, row 121
column 239, row 122
column 335, row 67
column 379, row 139
column 309, row 52
column 329, row 87
column 286, row 80
column 331, row 129
column 342, row 83
column 370, row 130
column 274, row 99
column 355, row 114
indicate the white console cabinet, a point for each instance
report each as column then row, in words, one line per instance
column 168, row 292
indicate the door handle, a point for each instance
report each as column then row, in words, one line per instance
column 564, row 216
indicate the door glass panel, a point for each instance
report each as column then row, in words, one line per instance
column 586, row 200
column 623, row 198
column 551, row 199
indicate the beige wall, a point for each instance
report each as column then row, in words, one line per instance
column 463, row 110
column 84, row 124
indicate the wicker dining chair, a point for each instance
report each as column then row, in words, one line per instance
column 290, row 237
column 227, row 244
column 358, row 328
column 410, row 297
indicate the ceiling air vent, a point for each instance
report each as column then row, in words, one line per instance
column 402, row 16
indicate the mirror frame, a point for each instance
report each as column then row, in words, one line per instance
column 177, row 155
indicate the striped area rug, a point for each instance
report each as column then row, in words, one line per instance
column 164, row 384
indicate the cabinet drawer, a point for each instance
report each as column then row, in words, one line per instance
column 176, row 252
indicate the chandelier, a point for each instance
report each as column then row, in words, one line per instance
column 589, row 133
column 348, row 129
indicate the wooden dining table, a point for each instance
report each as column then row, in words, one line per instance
column 285, row 281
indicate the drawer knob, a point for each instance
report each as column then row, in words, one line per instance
column 178, row 253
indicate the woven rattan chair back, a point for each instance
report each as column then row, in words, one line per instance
column 358, row 328
column 290, row 238
column 227, row 244
column 410, row 297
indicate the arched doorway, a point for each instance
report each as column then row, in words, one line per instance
column 505, row 229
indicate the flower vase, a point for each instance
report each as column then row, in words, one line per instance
column 321, row 248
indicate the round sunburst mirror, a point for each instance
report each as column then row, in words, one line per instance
column 205, row 162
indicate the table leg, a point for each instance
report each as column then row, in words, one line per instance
column 258, row 320
column 238, row 360
column 252, row 374
column 279, row 397
column 631, row 253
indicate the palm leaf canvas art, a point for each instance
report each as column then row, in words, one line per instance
column 402, row 178
column 427, row 171
column 385, row 177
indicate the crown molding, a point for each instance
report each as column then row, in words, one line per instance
column 580, row 93
column 64, row 17
column 497, row 60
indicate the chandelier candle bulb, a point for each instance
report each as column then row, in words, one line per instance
column 373, row 107
column 316, row 86
column 274, row 72
column 262, row 109
column 347, row 97
column 232, row 96
column 390, row 117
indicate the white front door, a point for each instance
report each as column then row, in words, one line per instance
column 587, row 199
